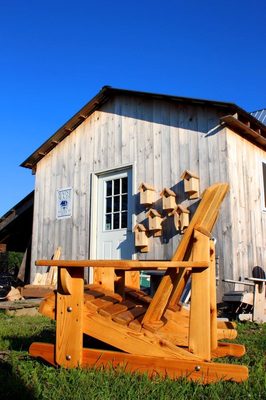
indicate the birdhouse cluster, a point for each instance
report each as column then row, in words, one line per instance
column 169, row 209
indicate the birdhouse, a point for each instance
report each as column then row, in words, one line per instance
column 155, row 221
column 191, row 184
column 147, row 194
column 168, row 198
column 141, row 238
column 181, row 217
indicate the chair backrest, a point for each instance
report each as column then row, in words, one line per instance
column 173, row 282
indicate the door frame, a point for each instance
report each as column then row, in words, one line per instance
column 94, row 207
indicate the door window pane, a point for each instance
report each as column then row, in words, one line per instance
column 124, row 202
column 116, row 220
column 116, row 203
column 124, row 185
column 108, row 222
column 116, row 186
column 124, row 220
column 109, row 185
column 108, row 205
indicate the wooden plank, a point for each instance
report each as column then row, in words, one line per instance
column 138, row 295
column 22, row 268
column 92, row 294
column 69, row 319
column 125, row 317
column 153, row 366
column 213, row 300
column 114, row 309
column 159, row 301
column 181, row 279
column 103, row 276
column 47, row 306
column 135, row 325
column 259, row 301
column 97, row 291
column 228, row 349
column 124, row 264
column 199, row 323
column 122, row 337
column 100, row 303
column 52, row 273
column 132, row 279
column 36, row 290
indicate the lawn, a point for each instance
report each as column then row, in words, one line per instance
column 22, row 377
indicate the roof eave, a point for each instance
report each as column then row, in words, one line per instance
column 255, row 134
column 105, row 93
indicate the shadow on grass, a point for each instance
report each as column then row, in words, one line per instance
column 22, row 343
column 12, row 386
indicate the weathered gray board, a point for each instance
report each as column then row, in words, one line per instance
column 160, row 140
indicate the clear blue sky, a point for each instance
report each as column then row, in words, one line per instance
column 56, row 55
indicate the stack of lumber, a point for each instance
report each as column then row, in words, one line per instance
column 44, row 283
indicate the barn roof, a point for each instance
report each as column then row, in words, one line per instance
column 260, row 115
column 235, row 117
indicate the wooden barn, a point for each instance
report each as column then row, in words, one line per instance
column 89, row 171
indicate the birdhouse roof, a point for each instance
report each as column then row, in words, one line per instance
column 182, row 209
column 167, row 191
column 146, row 186
column 153, row 213
column 139, row 227
column 188, row 174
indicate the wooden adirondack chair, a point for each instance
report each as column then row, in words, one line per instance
column 157, row 335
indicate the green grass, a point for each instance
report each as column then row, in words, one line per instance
column 22, row 377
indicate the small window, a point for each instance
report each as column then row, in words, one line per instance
column 116, row 203
column 264, row 185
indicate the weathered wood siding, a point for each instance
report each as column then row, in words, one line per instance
column 161, row 139
column 248, row 229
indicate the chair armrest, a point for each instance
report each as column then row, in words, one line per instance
column 125, row 265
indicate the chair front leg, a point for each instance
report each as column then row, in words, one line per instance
column 69, row 317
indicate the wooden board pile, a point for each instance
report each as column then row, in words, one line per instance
column 44, row 283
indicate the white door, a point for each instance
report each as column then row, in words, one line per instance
column 114, row 231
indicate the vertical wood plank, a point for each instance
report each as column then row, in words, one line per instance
column 132, row 279
column 199, row 320
column 213, row 300
column 69, row 317
column 104, row 277
column 259, row 303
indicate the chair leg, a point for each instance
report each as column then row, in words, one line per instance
column 213, row 299
column 69, row 317
column 199, row 324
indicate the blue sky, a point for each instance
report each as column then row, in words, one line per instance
column 56, row 55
